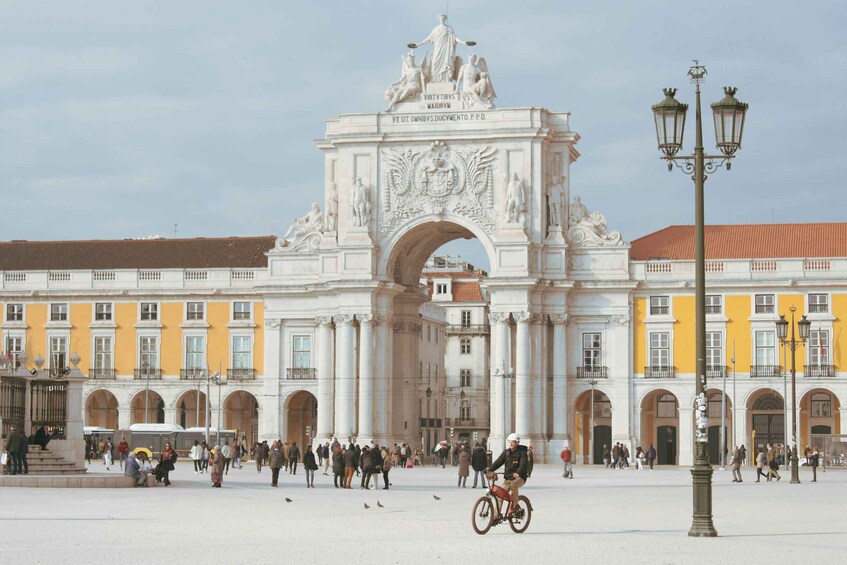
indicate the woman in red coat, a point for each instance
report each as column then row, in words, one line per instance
column 168, row 458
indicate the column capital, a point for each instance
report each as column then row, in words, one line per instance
column 498, row 317
column 559, row 319
column 273, row 323
column 521, row 317
column 344, row 319
column 323, row 321
column 384, row 320
column 537, row 319
column 365, row 319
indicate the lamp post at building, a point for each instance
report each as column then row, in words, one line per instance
column 669, row 117
column 592, row 381
column 804, row 326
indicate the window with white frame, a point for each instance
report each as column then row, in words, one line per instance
column 441, row 288
column 102, row 352
column 14, row 347
column 14, row 312
column 195, row 353
column 149, row 312
column 466, row 318
column 765, row 304
column 58, row 352
column 818, row 303
column 666, row 406
column 240, row 310
column 821, row 405
column 592, row 350
column 465, row 346
column 195, row 311
column 464, row 378
column 59, row 312
column 765, row 348
column 714, row 349
column 465, row 410
column 302, row 351
column 148, row 352
column 714, row 304
column 660, row 349
column 242, row 352
column 818, row 347
column 103, row 312
column 660, row 305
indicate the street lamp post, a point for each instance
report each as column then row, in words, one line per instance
column 804, row 326
column 723, row 420
column 669, row 117
column 592, row 381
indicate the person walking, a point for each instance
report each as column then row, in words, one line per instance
column 736, row 465
column 196, row 455
column 338, row 467
column 107, row 453
column 606, row 455
column 651, row 455
column 327, row 457
column 293, row 458
column 275, row 462
column 13, row 442
column 464, row 466
column 257, row 456
column 814, row 459
column 310, row 465
column 226, row 452
column 367, row 463
column 772, row 457
column 376, row 453
column 204, row 467
column 123, row 451
column 760, row 464
column 565, row 456
column 168, row 459
column 349, row 465
column 639, row 457
column 478, row 463
column 217, row 461
column 743, row 451
column 386, row 466
column 23, row 450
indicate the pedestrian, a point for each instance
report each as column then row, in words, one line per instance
column 814, row 458
column 404, row 453
column 606, row 455
column 760, row 464
column 168, row 458
column 530, row 461
column 639, row 457
column 349, row 465
column 123, row 451
column 206, row 456
column 257, row 456
column 735, row 462
column 13, row 441
column 624, row 456
column 357, row 457
column 376, row 453
column 319, row 453
column 226, row 452
column 478, row 463
column 386, row 467
column 464, row 466
column 651, row 455
column 23, row 450
column 395, row 456
column 132, row 469
column 367, row 464
column 275, row 462
column 107, row 453
column 338, row 466
column 42, row 438
column 293, row 458
column 310, row 465
column 217, row 461
column 327, row 457
column 196, row 455
column 743, row 451
column 236, row 454
column 266, row 451
column 565, row 456
column 772, row 457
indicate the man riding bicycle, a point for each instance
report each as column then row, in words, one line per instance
column 514, row 463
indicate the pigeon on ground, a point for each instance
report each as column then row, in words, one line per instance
column 436, row 497
column 378, row 503
column 366, row 506
column 288, row 499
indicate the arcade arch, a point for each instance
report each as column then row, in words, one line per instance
column 602, row 435
column 820, row 413
column 766, row 409
column 660, row 425
column 241, row 412
column 191, row 409
column 300, row 412
column 101, row 409
column 147, row 407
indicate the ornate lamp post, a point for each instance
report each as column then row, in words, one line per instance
column 592, row 381
column 669, row 117
column 804, row 326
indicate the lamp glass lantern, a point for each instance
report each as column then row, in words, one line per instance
column 782, row 328
column 804, row 326
column 669, row 115
column 729, row 116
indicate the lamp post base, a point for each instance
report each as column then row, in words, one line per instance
column 795, row 471
column 701, row 475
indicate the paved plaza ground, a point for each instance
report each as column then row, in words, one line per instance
column 600, row 516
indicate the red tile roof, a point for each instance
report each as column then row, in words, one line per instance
column 198, row 253
column 466, row 292
column 745, row 241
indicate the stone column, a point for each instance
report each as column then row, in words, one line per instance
column 269, row 424
column 739, row 424
column 125, row 416
column 523, row 386
column 344, row 389
column 561, row 424
column 499, row 365
column 538, row 425
column 384, row 334
column 365, row 433
column 326, row 374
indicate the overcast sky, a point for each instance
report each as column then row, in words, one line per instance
column 122, row 119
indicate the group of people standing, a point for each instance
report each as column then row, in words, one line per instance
column 369, row 462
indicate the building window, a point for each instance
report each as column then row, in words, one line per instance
column 149, row 357
column 14, row 347
column 592, row 350
column 429, row 333
column 821, row 405
column 714, row 349
column 666, row 406
column 466, row 318
column 765, row 304
column 58, row 352
column 14, row 312
column 441, row 288
column 102, row 312
column 765, row 350
column 302, row 351
column 465, row 346
column 241, row 311
column 194, row 352
column 818, row 304
column 195, row 311
column 59, row 312
column 715, row 405
column 818, row 347
column 102, row 352
column 465, row 410
column 714, row 304
column 659, row 305
column 464, row 378
column 149, row 312
column 660, row 349
column 242, row 354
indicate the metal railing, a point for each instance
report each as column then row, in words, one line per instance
column 148, row 373
column 12, row 399
column 659, row 372
column 819, row 370
column 765, row 371
column 192, row 374
column 818, row 308
column 468, row 329
column 715, row 371
column 101, row 373
column 659, row 310
column 241, row 374
column 301, row 374
column 592, row 372
column 765, row 309
column 56, row 372
column 48, row 406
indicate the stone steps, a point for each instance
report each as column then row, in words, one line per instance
column 42, row 462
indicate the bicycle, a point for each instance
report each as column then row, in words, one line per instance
column 495, row 507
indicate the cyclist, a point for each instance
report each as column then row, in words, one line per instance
column 514, row 462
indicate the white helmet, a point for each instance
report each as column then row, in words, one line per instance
column 514, row 437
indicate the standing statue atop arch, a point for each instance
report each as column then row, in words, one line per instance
column 555, row 200
column 514, row 200
column 332, row 209
column 361, row 204
column 442, row 65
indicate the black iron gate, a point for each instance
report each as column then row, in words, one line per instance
column 48, row 407
column 12, row 400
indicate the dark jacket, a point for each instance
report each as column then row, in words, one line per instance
column 294, row 453
column 513, row 462
column 309, row 460
column 367, row 461
column 478, row 459
column 350, row 458
column 377, row 458
column 338, row 463
column 13, row 442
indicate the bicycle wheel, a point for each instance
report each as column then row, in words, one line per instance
column 519, row 520
column 483, row 515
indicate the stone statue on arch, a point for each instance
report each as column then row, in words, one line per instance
column 361, row 202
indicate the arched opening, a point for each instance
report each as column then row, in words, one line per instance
column 590, row 449
column 147, row 407
column 301, row 417
column 241, row 412
column 767, row 419
column 820, row 414
column 191, row 409
column 720, row 416
column 659, row 425
column 101, row 410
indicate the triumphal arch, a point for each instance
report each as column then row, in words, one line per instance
column 442, row 162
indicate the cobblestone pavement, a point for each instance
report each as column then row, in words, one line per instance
column 601, row 515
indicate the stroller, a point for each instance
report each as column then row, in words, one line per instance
column 158, row 472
